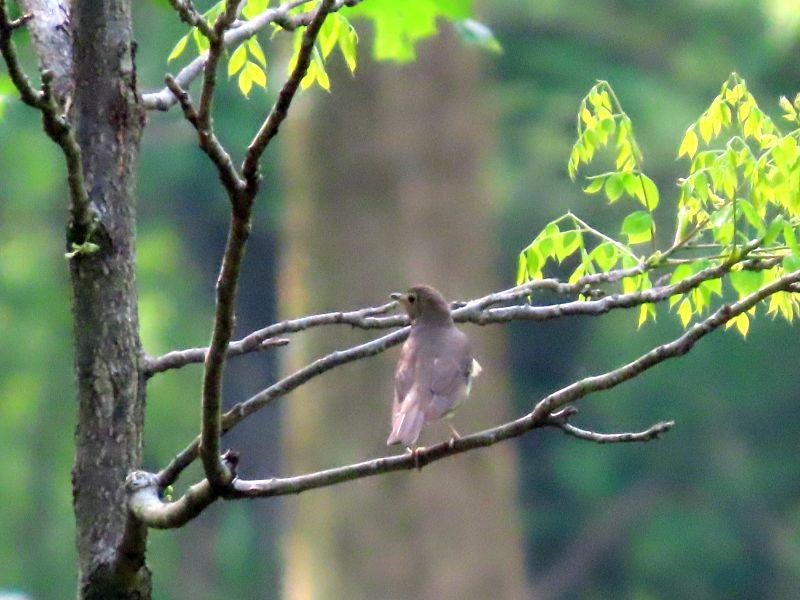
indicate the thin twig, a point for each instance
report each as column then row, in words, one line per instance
column 208, row 142
column 189, row 15
column 27, row 93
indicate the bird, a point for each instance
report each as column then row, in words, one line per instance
column 435, row 370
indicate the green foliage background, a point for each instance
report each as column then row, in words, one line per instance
column 710, row 511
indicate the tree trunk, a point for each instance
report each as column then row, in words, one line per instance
column 409, row 206
column 108, row 120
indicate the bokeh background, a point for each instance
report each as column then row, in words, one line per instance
column 441, row 171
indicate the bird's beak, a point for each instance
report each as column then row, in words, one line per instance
column 396, row 296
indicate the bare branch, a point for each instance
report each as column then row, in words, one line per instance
column 208, row 142
column 474, row 311
column 266, row 337
column 164, row 99
column 647, row 435
column 189, row 15
column 269, row 129
column 221, row 25
column 239, row 230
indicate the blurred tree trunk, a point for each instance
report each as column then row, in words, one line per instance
column 385, row 189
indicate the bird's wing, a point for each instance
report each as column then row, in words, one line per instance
column 408, row 415
column 404, row 373
column 451, row 373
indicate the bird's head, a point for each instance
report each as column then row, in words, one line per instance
column 422, row 302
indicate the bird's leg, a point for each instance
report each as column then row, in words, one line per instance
column 456, row 435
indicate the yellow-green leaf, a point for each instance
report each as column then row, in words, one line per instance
column 237, row 60
column 685, row 312
column 638, row 227
column 178, row 49
column 257, row 74
column 256, row 51
column 245, row 82
column 689, row 144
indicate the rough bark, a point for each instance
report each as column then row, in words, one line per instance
column 409, row 206
column 108, row 121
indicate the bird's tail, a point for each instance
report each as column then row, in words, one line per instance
column 406, row 425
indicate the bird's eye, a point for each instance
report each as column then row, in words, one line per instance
column 412, row 299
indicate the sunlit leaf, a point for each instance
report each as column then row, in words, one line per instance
column 746, row 282
column 237, row 60
column 614, row 187
column 638, row 227
column 685, row 312
column 178, row 49
column 256, row 51
column 689, row 144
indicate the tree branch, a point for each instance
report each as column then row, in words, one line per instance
column 189, row 15
column 474, row 311
column 267, row 337
column 241, row 201
column 9, row 52
column 209, row 143
column 54, row 121
column 561, row 421
column 164, row 99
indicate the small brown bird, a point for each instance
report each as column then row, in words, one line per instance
column 435, row 369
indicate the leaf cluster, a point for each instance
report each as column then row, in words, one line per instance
column 738, row 206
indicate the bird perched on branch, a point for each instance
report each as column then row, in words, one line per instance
column 435, row 370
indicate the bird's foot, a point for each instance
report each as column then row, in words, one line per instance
column 414, row 451
column 456, row 435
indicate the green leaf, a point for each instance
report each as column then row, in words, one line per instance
column 254, row 7
column 200, row 40
column 322, row 75
column 791, row 263
column 329, row 35
column 178, row 49
column 605, row 256
column 791, row 239
column 638, row 227
column 649, row 195
column 237, row 60
column 348, row 39
column 534, row 262
column 595, row 185
column 256, row 74
column 570, row 242
column 746, row 282
column 689, row 143
column 774, row 229
column 614, row 187
column 477, row 34
column 685, row 312
column 522, row 269
column 256, row 51
column 399, row 27
column 681, row 272
column 245, row 82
